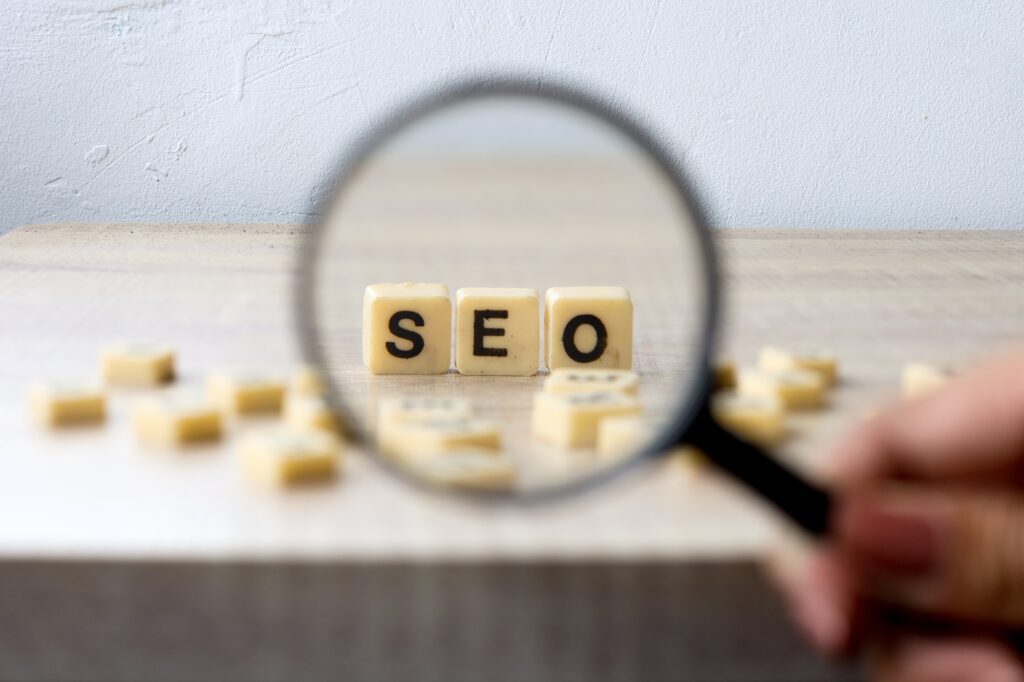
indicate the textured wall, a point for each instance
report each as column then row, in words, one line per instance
column 833, row 113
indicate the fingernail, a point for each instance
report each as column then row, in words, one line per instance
column 813, row 603
column 819, row 620
column 889, row 540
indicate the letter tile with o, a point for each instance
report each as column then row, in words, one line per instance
column 588, row 327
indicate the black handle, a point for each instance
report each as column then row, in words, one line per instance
column 806, row 504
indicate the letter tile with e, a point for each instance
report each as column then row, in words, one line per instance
column 497, row 331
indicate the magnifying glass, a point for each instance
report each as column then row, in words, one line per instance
column 504, row 276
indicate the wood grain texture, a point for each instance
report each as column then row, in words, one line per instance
column 585, row 622
column 221, row 294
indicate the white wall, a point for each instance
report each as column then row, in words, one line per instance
column 831, row 113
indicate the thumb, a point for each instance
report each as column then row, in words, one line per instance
column 955, row 554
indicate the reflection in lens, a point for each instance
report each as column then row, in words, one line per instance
column 510, row 199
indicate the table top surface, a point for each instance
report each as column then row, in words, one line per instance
column 221, row 294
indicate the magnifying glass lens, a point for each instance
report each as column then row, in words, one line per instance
column 508, row 292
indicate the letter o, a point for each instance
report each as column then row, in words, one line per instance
column 569, row 338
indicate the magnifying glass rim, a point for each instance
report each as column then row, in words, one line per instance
column 336, row 183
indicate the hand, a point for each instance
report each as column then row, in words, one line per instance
column 925, row 566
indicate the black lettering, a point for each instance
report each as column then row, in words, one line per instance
column 569, row 338
column 591, row 398
column 480, row 317
column 407, row 334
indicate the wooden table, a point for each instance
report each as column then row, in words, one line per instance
column 100, row 538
